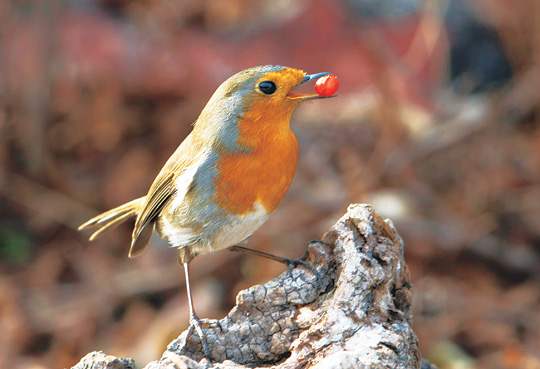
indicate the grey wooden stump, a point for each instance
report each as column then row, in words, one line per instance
column 357, row 315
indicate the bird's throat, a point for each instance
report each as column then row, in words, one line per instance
column 265, row 172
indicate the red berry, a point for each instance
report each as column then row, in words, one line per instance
column 327, row 85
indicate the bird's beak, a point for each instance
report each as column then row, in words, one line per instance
column 307, row 78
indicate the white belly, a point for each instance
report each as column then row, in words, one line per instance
column 234, row 231
column 219, row 233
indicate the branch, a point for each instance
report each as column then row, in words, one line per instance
column 358, row 314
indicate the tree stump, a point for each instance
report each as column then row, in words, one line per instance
column 356, row 313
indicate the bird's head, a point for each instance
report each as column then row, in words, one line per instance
column 268, row 88
column 261, row 95
column 270, row 85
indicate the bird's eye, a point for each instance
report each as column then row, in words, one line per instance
column 267, row 87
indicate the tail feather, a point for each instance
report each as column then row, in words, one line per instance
column 114, row 217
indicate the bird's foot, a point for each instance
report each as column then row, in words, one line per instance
column 195, row 325
column 293, row 263
column 206, row 321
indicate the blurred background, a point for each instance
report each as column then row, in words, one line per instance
column 436, row 125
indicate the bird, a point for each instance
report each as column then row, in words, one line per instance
column 227, row 176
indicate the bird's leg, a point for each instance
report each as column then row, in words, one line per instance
column 291, row 263
column 194, row 321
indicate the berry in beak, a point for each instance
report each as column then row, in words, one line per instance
column 308, row 78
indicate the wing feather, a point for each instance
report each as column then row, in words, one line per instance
column 173, row 182
column 160, row 192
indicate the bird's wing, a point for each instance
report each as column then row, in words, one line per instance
column 161, row 191
column 173, row 181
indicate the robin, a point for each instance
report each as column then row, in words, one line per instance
column 228, row 175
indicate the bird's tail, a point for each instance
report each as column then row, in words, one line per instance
column 114, row 217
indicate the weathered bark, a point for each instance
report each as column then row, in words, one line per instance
column 99, row 360
column 355, row 314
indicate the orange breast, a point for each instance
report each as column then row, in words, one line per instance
column 266, row 172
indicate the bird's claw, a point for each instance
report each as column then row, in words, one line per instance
column 195, row 324
column 293, row 263
column 208, row 321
